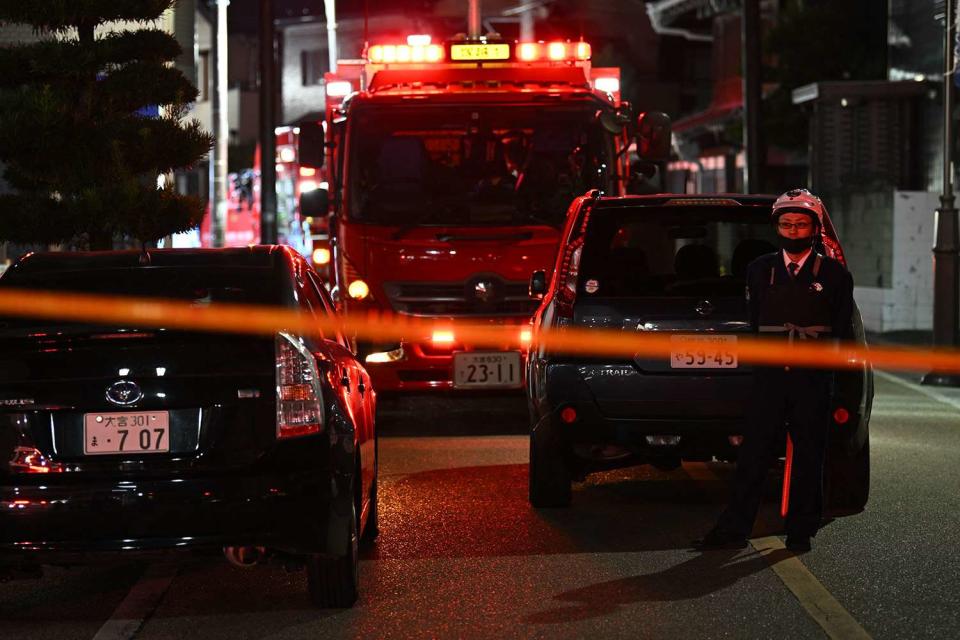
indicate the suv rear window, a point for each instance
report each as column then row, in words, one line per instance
column 673, row 251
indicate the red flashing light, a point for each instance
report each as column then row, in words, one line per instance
column 557, row 50
column 568, row 415
column 404, row 53
column 528, row 51
column 841, row 416
column 419, row 40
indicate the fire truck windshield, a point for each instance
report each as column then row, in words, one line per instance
column 496, row 165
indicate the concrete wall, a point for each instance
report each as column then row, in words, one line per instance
column 298, row 99
column 905, row 302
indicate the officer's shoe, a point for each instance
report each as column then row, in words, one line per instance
column 720, row 539
column 798, row 544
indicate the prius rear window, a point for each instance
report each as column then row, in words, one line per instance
column 199, row 285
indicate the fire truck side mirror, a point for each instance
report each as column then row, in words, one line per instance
column 315, row 204
column 653, row 136
column 538, row 284
column 310, row 147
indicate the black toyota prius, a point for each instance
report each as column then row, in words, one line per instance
column 125, row 438
column 672, row 265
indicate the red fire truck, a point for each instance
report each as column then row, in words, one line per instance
column 451, row 171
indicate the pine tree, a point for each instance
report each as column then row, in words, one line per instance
column 80, row 153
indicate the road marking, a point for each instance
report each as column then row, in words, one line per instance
column 140, row 603
column 930, row 393
column 819, row 604
column 813, row 596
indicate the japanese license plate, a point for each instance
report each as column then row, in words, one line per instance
column 486, row 369
column 703, row 352
column 128, row 432
column 479, row 52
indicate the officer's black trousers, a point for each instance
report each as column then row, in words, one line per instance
column 799, row 401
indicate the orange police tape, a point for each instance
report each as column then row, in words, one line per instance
column 232, row 318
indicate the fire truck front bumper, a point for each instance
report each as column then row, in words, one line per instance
column 445, row 366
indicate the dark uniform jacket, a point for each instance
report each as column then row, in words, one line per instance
column 832, row 284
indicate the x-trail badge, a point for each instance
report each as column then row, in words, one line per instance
column 124, row 393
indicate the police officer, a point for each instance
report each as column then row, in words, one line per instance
column 794, row 294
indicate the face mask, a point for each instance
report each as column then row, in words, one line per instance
column 796, row 245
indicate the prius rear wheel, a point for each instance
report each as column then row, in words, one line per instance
column 334, row 582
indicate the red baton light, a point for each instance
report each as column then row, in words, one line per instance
column 787, row 469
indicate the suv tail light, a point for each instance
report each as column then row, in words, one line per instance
column 567, row 282
column 299, row 397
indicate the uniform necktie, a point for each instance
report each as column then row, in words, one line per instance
column 793, row 267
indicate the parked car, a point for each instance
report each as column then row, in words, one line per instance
column 127, row 438
column 676, row 264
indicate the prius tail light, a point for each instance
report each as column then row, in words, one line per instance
column 299, row 397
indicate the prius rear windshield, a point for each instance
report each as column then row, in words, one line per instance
column 200, row 285
column 673, row 251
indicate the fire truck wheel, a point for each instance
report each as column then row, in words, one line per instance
column 550, row 472
column 846, row 480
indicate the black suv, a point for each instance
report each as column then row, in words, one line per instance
column 672, row 264
column 125, row 438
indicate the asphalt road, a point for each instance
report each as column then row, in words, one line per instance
column 462, row 554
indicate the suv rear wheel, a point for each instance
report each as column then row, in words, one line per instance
column 550, row 472
column 846, row 480
column 334, row 582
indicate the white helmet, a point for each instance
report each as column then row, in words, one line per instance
column 799, row 201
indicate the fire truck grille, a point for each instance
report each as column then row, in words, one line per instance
column 479, row 296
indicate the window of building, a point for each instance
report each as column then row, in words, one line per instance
column 313, row 64
column 203, row 76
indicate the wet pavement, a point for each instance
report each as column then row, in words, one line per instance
column 462, row 554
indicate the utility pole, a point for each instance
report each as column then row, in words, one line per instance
column 268, row 140
column 753, row 144
column 221, row 128
column 946, row 242
column 330, row 6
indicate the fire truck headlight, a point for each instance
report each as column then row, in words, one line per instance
column 308, row 185
column 526, row 335
column 321, row 256
column 358, row 290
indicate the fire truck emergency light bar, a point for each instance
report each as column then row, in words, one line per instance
column 420, row 50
